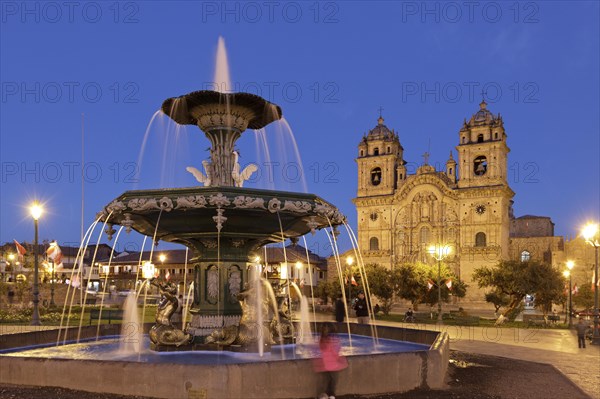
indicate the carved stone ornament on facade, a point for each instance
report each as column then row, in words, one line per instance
column 274, row 205
column 116, row 206
column 235, row 283
column 312, row 225
column 297, row 206
column 212, row 284
column 219, row 200
column 332, row 214
column 127, row 223
column 437, row 180
column 220, row 219
column 110, row 231
column 165, row 204
column 191, row 202
column 238, row 243
column 244, row 202
column 143, row 204
column 209, row 243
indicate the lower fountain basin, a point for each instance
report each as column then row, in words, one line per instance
column 423, row 363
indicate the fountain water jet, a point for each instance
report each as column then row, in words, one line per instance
column 131, row 329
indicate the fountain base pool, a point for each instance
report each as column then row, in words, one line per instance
column 226, row 374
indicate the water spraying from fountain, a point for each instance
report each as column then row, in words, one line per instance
column 131, row 329
column 222, row 79
column 305, row 336
column 104, row 286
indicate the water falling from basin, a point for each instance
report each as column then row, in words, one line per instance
column 131, row 329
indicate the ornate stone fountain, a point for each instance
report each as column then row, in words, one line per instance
column 222, row 223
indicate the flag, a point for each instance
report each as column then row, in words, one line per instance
column 20, row 249
column 575, row 289
column 55, row 253
column 75, row 282
column 346, row 280
column 430, row 284
column 449, row 284
column 353, row 282
column 301, row 283
column 167, row 275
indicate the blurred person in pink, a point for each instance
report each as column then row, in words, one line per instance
column 330, row 362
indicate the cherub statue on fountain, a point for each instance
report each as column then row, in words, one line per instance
column 163, row 332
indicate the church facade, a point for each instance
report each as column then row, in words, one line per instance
column 466, row 207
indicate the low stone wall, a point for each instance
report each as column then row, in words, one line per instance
column 366, row 374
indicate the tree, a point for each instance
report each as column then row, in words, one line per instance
column 517, row 279
column 498, row 299
column 383, row 283
column 322, row 290
column 413, row 283
column 584, row 299
column 409, row 283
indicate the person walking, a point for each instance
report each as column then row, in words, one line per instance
column 361, row 308
column 340, row 312
column 581, row 328
column 330, row 362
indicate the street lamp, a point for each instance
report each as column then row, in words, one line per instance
column 568, row 274
column 148, row 270
column 590, row 234
column 439, row 252
column 162, row 258
column 36, row 211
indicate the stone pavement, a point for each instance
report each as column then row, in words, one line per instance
column 557, row 347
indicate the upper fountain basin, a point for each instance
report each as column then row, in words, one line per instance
column 211, row 109
column 190, row 215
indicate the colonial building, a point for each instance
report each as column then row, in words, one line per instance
column 467, row 206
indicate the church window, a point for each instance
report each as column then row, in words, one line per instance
column 389, row 150
column 525, row 256
column 464, row 140
column 480, row 165
column 496, row 135
column 480, row 138
column 480, row 239
column 373, row 244
column 376, row 151
column 424, row 235
column 362, row 153
column 376, row 176
column 451, row 171
column 374, row 216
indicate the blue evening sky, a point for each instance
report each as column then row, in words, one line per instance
column 330, row 65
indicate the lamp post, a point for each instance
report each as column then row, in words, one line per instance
column 439, row 252
column 568, row 274
column 36, row 211
column 349, row 262
column 590, row 234
column 162, row 258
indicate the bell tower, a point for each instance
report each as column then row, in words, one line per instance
column 484, row 194
column 482, row 150
column 380, row 163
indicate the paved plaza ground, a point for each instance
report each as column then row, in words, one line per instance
column 487, row 362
